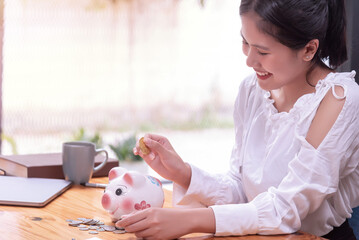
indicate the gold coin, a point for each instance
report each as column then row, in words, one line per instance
column 144, row 149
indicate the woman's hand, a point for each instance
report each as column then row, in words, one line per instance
column 168, row 223
column 164, row 159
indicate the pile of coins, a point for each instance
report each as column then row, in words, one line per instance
column 94, row 226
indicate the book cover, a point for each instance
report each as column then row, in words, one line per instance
column 45, row 165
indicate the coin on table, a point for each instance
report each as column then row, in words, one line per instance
column 119, row 231
column 87, row 221
column 144, row 149
column 93, row 222
column 75, row 223
column 109, row 228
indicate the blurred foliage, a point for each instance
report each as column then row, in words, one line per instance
column 11, row 141
column 202, row 2
column 81, row 135
column 123, row 149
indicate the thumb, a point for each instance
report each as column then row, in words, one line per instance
column 155, row 146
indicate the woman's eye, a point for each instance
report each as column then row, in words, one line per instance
column 262, row 53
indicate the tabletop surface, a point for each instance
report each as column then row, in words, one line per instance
column 50, row 222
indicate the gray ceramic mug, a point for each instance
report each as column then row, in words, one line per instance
column 78, row 161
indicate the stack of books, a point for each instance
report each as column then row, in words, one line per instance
column 45, row 165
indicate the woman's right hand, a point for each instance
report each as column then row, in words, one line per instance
column 164, row 159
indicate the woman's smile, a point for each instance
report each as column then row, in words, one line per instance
column 263, row 75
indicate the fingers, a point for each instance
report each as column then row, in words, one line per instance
column 157, row 145
column 133, row 222
column 139, row 223
column 156, row 137
column 137, row 151
column 144, row 233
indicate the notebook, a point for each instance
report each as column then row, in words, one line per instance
column 34, row 192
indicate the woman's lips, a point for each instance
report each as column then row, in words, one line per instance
column 263, row 75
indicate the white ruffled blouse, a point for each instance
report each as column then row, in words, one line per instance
column 279, row 183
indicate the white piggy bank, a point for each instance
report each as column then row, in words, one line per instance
column 130, row 191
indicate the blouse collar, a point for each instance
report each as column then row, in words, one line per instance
column 306, row 101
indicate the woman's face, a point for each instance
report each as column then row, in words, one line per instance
column 275, row 64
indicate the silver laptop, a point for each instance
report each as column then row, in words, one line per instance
column 35, row 192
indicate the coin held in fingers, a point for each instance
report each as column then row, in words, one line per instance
column 144, row 149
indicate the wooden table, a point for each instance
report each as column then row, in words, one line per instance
column 49, row 222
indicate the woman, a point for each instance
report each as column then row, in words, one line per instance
column 294, row 165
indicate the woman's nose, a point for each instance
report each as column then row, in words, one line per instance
column 252, row 60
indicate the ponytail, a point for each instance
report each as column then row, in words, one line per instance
column 334, row 45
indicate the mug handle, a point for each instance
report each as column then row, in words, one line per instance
column 104, row 161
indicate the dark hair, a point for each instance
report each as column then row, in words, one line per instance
column 295, row 22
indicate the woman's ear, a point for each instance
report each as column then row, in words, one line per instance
column 309, row 50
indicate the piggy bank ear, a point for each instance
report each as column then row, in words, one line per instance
column 116, row 172
column 134, row 179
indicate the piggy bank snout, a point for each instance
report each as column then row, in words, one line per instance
column 106, row 201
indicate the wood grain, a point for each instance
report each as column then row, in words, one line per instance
column 29, row 223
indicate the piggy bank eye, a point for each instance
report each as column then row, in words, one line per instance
column 120, row 190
